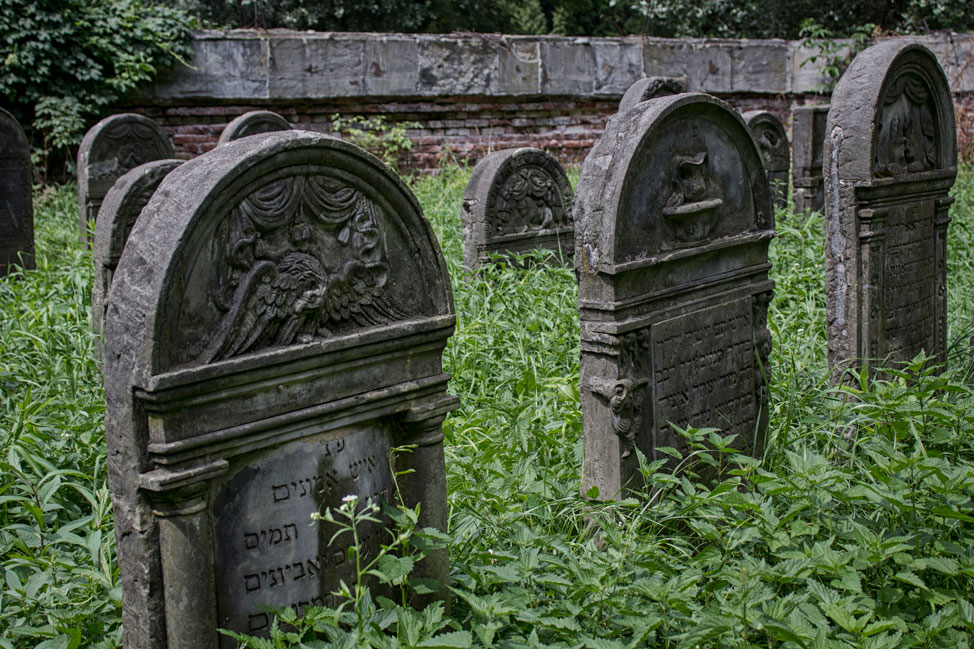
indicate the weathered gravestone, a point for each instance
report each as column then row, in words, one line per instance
column 275, row 326
column 808, row 144
column 651, row 88
column 16, row 202
column 252, row 123
column 517, row 200
column 109, row 149
column 769, row 134
column 122, row 205
column 673, row 219
column 890, row 159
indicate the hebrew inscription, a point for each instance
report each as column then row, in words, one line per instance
column 268, row 550
column 704, row 372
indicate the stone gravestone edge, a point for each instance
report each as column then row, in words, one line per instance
column 673, row 219
column 772, row 142
column 109, row 149
column 651, row 88
column 224, row 419
column 252, row 123
column 16, row 198
column 122, row 205
column 807, row 147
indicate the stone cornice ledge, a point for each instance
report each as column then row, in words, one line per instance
column 281, row 65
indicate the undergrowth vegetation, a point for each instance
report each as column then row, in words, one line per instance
column 856, row 529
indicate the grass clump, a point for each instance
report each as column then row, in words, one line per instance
column 856, row 529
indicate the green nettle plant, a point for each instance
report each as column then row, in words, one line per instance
column 855, row 530
column 386, row 140
column 835, row 54
column 65, row 61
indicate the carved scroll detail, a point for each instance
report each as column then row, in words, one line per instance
column 691, row 207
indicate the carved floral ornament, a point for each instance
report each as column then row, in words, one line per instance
column 300, row 258
column 530, row 199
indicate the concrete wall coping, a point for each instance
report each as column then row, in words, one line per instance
column 282, row 65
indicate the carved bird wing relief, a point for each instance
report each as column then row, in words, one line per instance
column 355, row 295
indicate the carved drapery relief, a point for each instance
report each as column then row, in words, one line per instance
column 529, row 200
column 125, row 146
column 300, row 258
column 906, row 134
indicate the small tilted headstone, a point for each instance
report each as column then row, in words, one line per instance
column 110, row 148
column 252, row 123
column 274, row 330
column 517, row 200
column 807, row 144
column 120, row 209
column 673, row 219
column 890, row 161
column 16, row 201
column 651, row 88
column 769, row 134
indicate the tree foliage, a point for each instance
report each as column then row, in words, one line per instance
column 65, row 61
column 669, row 18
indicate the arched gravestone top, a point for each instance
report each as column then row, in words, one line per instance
column 252, row 123
column 673, row 220
column 16, row 201
column 516, row 200
column 120, row 209
column 769, row 134
column 651, row 88
column 275, row 326
column 109, row 149
column 890, row 160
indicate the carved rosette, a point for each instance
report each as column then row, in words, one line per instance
column 300, row 258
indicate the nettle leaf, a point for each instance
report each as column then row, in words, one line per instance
column 449, row 640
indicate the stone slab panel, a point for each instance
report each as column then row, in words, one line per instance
column 331, row 66
column 567, row 69
column 16, row 197
column 890, row 160
column 673, row 218
column 275, row 325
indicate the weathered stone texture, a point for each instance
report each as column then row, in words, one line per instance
column 122, row 206
column 252, row 123
column 275, row 325
column 890, row 160
column 109, row 149
column 673, row 218
column 651, row 88
column 769, row 134
column 807, row 147
column 16, row 201
column 517, row 200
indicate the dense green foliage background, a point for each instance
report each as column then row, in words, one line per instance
column 64, row 62
column 673, row 18
column 855, row 530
